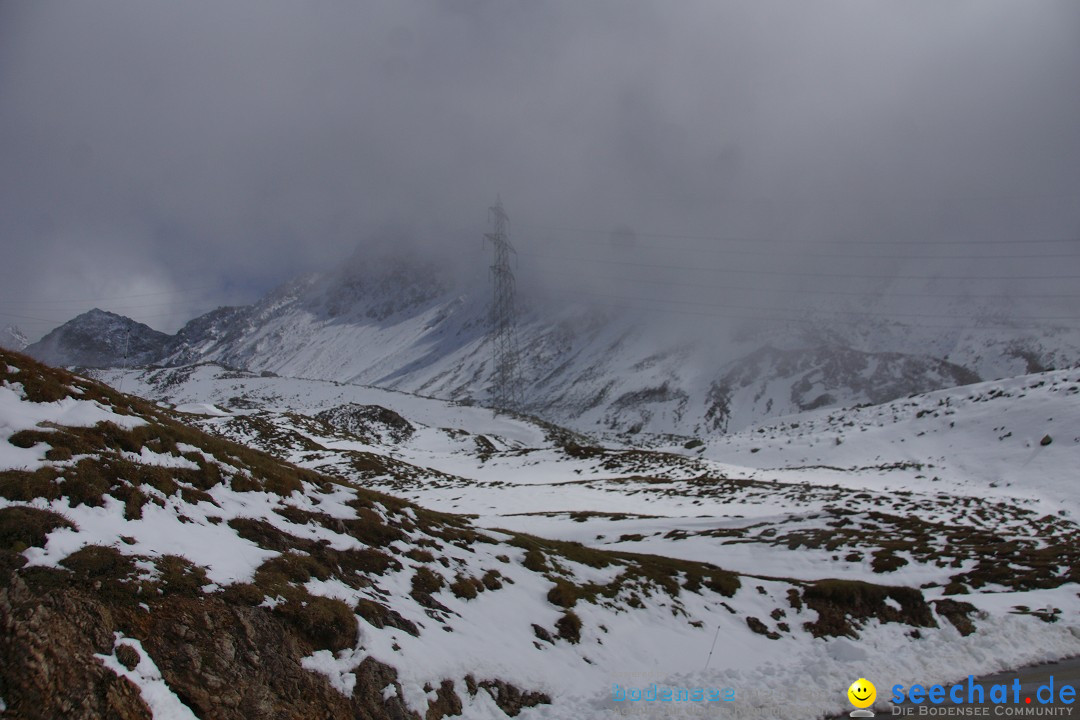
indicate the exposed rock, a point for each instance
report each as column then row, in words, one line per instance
column 222, row 661
column 371, row 423
column 510, row 699
column 49, row 669
column 128, row 656
column 958, row 613
column 446, row 702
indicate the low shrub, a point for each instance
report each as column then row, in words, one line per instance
column 24, row 527
column 569, row 627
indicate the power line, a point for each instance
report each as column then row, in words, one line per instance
column 1073, row 318
column 814, row 291
column 842, row 256
column 794, row 319
column 782, row 273
column 190, row 291
column 75, row 304
column 185, row 310
column 56, row 321
column 27, row 317
column 845, row 241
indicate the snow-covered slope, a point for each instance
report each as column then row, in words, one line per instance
column 783, row 504
column 967, row 452
column 1013, row 438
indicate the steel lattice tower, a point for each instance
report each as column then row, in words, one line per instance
column 506, row 390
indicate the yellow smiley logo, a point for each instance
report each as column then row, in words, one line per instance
column 862, row 693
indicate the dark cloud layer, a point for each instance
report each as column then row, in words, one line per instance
column 174, row 156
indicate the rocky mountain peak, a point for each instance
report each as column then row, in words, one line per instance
column 99, row 338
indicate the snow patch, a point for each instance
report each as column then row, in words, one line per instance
column 338, row 670
column 202, row 409
column 227, row 557
column 16, row 413
column 161, row 700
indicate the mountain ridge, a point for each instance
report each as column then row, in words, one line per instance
column 398, row 323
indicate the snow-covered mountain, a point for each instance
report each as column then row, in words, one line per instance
column 100, row 339
column 402, row 324
column 12, row 338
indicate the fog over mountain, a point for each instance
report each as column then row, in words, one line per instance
column 699, row 163
column 395, row 321
column 426, row 359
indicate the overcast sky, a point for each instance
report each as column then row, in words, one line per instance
column 160, row 158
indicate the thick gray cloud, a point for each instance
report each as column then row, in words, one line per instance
column 159, row 158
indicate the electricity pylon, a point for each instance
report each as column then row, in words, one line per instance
column 506, row 390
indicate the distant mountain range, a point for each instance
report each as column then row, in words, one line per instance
column 400, row 324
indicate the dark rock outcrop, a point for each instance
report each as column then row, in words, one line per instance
column 221, row 660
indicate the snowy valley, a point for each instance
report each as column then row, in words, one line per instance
column 513, row 567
